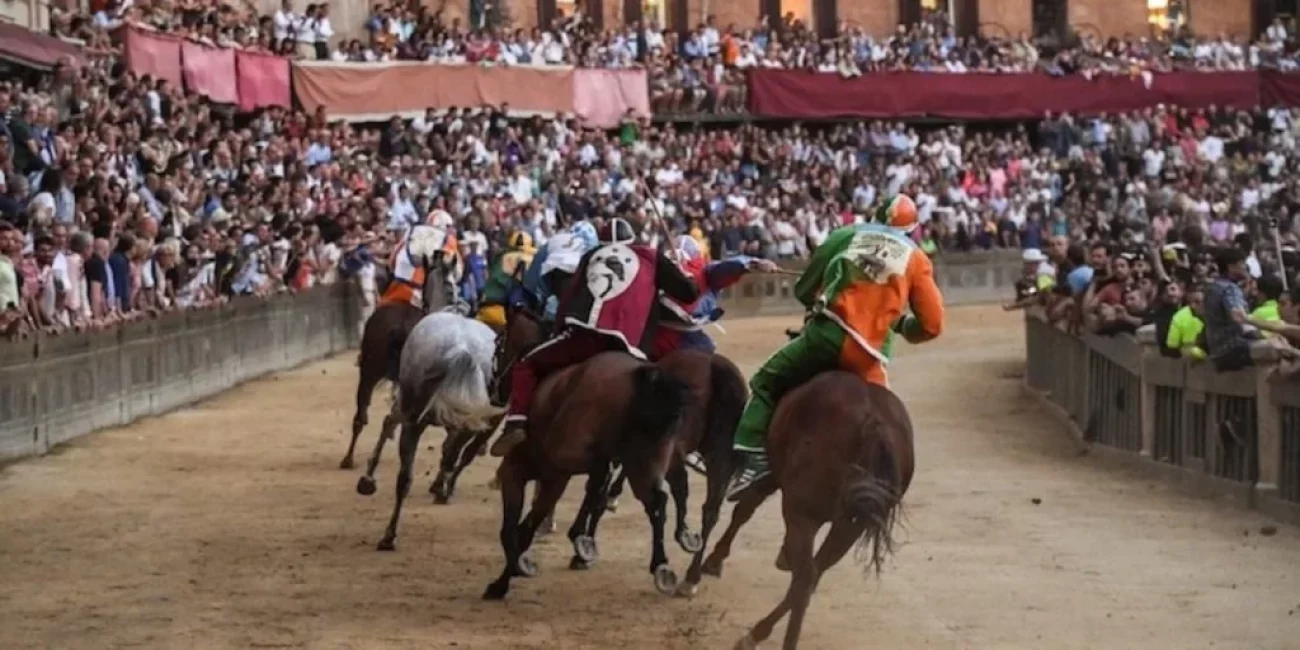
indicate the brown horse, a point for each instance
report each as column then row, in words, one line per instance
column 584, row 417
column 718, row 395
column 382, row 339
column 841, row 453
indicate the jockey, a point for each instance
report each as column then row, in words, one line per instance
column 681, row 325
column 607, row 307
column 505, row 278
column 407, row 276
column 856, row 288
column 555, row 263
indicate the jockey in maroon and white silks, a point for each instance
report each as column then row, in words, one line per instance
column 608, row 305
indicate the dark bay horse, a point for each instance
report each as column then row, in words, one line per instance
column 841, row 453
column 584, row 417
column 387, row 328
column 718, row 394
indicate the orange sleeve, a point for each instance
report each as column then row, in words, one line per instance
column 925, row 300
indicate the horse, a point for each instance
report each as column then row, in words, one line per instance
column 841, row 453
column 718, row 395
column 583, row 418
column 387, row 327
column 446, row 368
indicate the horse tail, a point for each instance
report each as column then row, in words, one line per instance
column 461, row 399
column 659, row 402
column 727, row 396
column 873, row 497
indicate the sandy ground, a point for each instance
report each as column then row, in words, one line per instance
column 227, row 525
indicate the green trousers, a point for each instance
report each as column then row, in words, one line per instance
column 816, row 350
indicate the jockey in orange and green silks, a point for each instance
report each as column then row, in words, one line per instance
column 857, row 287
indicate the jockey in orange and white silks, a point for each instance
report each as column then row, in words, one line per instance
column 413, row 256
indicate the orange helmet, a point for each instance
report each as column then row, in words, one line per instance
column 898, row 212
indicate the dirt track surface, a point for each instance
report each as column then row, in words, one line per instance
column 227, row 525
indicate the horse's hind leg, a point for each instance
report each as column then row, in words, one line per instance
column 650, row 491
column 679, row 483
column 740, row 515
column 365, row 389
column 542, row 514
column 547, row 525
column 717, row 489
column 513, row 483
column 455, row 447
column 800, row 538
column 407, row 446
column 583, row 532
column 616, row 490
column 366, row 484
column 471, row 449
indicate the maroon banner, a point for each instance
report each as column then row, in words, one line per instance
column 210, row 71
column 263, row 81
column 1279, row 89
column 800, row 94
column 156, row 55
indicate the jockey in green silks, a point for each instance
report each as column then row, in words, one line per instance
column 856, row 288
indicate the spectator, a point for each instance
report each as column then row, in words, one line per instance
column 1225, row 315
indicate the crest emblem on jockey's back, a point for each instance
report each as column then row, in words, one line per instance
column 611, row 271
column 879, row 255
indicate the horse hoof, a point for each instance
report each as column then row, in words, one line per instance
column 690, row 541
column 747, row 642
column 584, row 546
column 440, row 500
column 579, row 564
column 547, row 527
column 712, row 568
column 387, row 544
column 495, row 591
column 346, row 463
column 366, row 486
column 612, row 505
column 665, row 579
column 782, row 564
column 687, row 590
column 526, row 566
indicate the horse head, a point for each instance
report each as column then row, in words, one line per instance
column 524, row 330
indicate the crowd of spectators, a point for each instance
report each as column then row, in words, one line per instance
column 123, row 196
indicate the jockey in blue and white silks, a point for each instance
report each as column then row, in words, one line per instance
column 682, row 326
column 554, row 263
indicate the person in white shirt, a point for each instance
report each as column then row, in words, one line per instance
column 304, row 33
column 285, row 22
column 1153, row 162
column 322, row 32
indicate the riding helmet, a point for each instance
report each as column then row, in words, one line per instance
column 898, row 212
column 617, row 231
